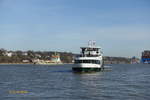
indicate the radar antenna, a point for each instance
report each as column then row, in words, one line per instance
column 91, row 43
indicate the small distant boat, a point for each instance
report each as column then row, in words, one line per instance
column 90, row 59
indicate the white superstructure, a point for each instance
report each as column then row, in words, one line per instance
column 90, row 59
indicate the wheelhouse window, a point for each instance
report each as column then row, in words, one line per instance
column 87, row 61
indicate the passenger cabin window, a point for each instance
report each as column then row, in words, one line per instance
column 87, row 61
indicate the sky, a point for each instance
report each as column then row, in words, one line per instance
column 120, row 27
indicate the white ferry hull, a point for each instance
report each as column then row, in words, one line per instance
column 87, row 67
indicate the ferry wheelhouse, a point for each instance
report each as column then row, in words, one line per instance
column 89, row 60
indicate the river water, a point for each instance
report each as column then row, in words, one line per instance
column 58, row 82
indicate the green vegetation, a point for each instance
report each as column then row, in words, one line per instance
column 117, row 60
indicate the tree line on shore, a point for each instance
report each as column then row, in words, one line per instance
column 66, row 57
column 28, row 56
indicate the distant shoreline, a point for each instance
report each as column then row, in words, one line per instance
column 30, row 64
column 15, row 63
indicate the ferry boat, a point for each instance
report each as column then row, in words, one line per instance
column 89, row 60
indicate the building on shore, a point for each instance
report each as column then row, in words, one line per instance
column 135, row 60
column 55, row 59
